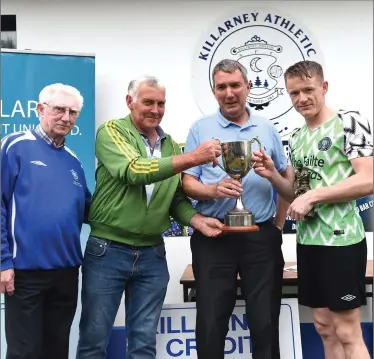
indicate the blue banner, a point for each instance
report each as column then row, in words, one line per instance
column 23, row 76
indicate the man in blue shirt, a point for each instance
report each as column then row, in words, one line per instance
column 44, row 202
column 255, row 256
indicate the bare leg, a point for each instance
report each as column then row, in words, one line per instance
column 324, row 324
column 349, row 333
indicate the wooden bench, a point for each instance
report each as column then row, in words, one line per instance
column 289, row 280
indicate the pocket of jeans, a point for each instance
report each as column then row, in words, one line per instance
column 96, row 247
column 160, row 250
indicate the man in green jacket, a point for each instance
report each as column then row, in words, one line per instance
column 138, row 188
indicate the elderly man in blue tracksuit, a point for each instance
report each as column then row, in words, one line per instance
column 44, row 202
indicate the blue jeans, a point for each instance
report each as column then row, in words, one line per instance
column 108, row 270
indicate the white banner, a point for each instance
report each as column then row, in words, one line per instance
column 176, row 332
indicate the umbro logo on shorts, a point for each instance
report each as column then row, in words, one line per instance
column 348, row 297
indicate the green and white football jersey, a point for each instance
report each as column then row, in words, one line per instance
column 326, row 153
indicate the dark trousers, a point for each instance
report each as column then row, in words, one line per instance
column 39, row 314
column 258, row 258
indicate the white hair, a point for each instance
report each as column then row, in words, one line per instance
column 51, row 91
column 151, row 81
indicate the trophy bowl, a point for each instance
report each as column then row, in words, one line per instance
column 237, row 162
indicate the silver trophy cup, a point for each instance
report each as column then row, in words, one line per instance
column 237, row 162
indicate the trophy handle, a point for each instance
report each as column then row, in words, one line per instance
column 255, row 139
column 218, row 164
column 221, row 167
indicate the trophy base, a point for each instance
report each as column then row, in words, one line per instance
column 239, row 229
column 239, row 221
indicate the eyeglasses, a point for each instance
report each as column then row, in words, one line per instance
column 58, row 110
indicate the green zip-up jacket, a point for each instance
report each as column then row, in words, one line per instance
column 119, row 210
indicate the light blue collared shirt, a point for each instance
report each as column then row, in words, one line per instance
column 257, row 191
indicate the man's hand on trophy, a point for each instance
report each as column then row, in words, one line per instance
column 228, row 188
column 207, row 152
column 210, row 227
column 263, row 165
